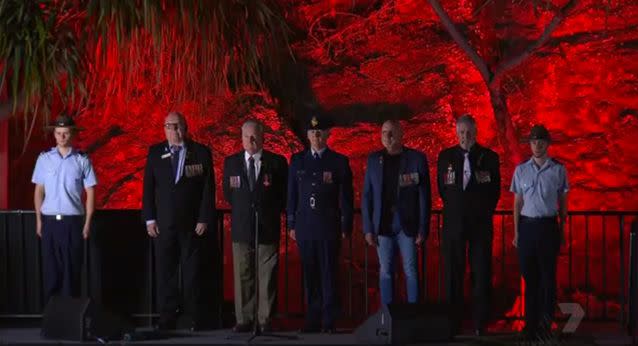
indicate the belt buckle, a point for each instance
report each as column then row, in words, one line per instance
column 58, row 217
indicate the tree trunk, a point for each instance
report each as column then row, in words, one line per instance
column 506, row 134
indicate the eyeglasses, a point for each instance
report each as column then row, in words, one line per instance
column 173, row 126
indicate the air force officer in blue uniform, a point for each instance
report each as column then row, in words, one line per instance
column 61, row 176
column 320, row 204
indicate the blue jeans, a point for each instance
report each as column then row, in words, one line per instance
column 386, row 252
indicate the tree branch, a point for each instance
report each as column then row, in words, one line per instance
column 549, row 29
column 461, row 41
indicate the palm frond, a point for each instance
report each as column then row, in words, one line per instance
column 195, row 48
column 39, row 54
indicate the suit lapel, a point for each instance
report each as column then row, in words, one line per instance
column 264, row 163
column 165, row 164
column 403, row 164
column 379, row 164
column 243, row 168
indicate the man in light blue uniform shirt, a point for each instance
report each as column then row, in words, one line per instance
column 540, row 210
column 62, row 221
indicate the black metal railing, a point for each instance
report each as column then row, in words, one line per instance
column 593, row 267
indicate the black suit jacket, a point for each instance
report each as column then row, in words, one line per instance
column 182, row 205
column 478, row 201
column 268, row 197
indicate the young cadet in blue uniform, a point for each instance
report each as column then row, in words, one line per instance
column 320, row 204
column 469, row 184
column 395, row 208
column 540, row 210
column 61, row 175
column 178, row 206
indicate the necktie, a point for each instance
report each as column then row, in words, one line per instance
column 251, row 173
column 316, row 156
column 175, row 149
column 467, row 171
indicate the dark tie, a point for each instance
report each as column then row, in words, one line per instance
column 316, row 156
column 251, row 173
column 175, row 149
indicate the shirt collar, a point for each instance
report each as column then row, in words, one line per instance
column 181, row 145
column 320, row 152
column 256, row 156
column 56, row 151
column 548, row 163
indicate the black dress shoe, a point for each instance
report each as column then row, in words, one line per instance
column 265, row 328
column 309, row 330
column 197, row 326
column 166, row 324
column 242, row 328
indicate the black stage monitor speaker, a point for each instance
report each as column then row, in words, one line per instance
column 407, row 323
column 80, row 319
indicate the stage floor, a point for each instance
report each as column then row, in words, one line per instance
column 596, row 334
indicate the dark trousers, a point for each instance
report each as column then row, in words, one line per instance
column 62, row 246
column 319, row 260
column 175, row 248
column 476, row 239
column 538, row 247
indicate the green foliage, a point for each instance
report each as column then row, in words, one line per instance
column 48, row 46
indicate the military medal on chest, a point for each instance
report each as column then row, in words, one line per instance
column 450, row 176
column 267, row 179
column 482, row 176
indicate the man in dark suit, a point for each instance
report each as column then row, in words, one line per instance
column 469, row 183
column 178, row 206
column 320, row 205
column 255, row 186
column 395, row 208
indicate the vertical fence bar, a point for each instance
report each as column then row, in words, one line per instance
column 220, row 294
column 365, row 280
column 23, row 253
column 570, row 244
column 303, row 292
column 4, row 308
column 631, row 327
column 438, row 237
column 621, row 289
column 351, row 268
column 425, row 270
column 286, row 267
column 503, row 284
column 587, row 288
column 604, row 272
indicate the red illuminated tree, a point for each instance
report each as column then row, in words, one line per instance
column 493, row 76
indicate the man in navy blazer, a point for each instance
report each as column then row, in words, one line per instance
column 320, row 205
column 395, row 208
column 178, row 206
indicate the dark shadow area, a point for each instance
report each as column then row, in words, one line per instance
column 298, row 101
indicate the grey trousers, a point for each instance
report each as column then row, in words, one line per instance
column 244, row 281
